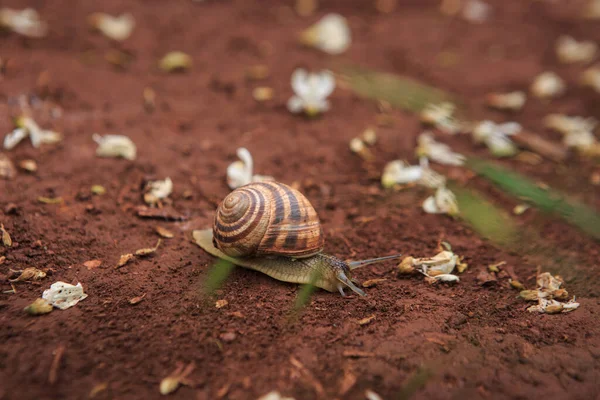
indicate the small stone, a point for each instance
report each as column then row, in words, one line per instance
column 228, row 337
column 92, row 264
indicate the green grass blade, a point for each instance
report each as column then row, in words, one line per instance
column 399, row 91
column 217, row 275
column 552, row 201
column 306, row 291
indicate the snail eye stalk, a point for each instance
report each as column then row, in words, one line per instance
column 362, row 263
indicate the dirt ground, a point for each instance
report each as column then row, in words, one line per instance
column 426, row 342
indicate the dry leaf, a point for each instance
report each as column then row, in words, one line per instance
column 372, row 282
column 367, row 320
column 50, row 200
column 262, row 93
column 125, row 258
column 29, row 274
column 529, row 295
column 98, row 190
column 2, row 259
column 516, row 284
column 175, row 61
column 257, row 72
column 164, row 232
column 221, row 303
column 38, row 307
column 148, row 251
column 7, row 169
column 6, row 239
column 494, row 267
column 92, row 264
column 137, row 299
column 97, row 389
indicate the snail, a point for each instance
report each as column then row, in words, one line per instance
column 272, row 228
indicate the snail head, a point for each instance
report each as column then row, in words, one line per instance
column 344, row 271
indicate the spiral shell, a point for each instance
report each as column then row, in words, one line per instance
column 267, row 218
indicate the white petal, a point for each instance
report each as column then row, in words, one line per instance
column 64, row 295
column 500, row 145
column 430, row 207
column 237, row 175
column 295, row 104
column 262, row 178
column 300, row 83
column 446, row 201
column 14, row 138
column 326, row 84
column 447, row 278
column 244, row 155
column 510, row 128
column 161, row 189
column 115, row 146
column 333, row 34
column 397, row 172
column 116, row 28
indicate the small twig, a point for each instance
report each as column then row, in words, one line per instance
column 58, row 354
column 308, row 376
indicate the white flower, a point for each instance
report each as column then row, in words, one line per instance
column 115, row 28
column 565, row 124
column 438, row 152
column 591, row 78
column 239, row 173
column 64, row 295
column 158, row 190
column 442, row 202
column 513, row 101
column 569, row 50
column 24, row 22
column 115, row 146
column 547, row 85
column 551, row 306
column 546, row 282
column 577, row 131
column 496, row 137
column 311, row 92
column 441, row 116
column 400, row 173
column 330, row 34
column 438, row 267
column 28, row 127
column 476, row 11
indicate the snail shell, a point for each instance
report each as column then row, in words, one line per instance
column 267, row 219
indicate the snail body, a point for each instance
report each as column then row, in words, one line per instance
column 272, row 228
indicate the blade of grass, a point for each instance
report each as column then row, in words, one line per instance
column 548, row 200
column 306, row 291
column 399, row 91
column 415, row 383
column 217, row 275
column 501, row 229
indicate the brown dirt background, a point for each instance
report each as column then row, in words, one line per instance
column 478, row 341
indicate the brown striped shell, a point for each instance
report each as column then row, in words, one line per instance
column 267, row 218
